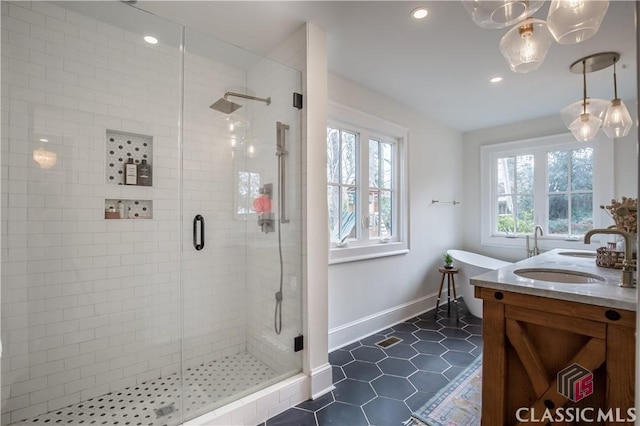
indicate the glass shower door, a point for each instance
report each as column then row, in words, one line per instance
column 109, row 311
column 91, row 320
column 241, row 259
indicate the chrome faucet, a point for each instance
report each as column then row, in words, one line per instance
column 533, row 251
column 627, row 268
column 535, row 239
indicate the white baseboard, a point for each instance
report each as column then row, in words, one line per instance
column 321, row 380
column 353, row 331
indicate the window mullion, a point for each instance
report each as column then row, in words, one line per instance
column 378, row 219
column 340, row 180
column 569, row 193
column 380, row 187
column 540, row 187
column 516, row 192
column 364, row 185
column 395, row 197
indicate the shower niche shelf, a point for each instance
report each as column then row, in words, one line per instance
column 133, row 209
column 120, row 147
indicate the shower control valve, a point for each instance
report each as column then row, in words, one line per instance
column 262, row 205
column 266, row 222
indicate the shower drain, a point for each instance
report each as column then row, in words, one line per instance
column 388, row 342
column 165, row 411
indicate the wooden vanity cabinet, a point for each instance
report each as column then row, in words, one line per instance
column 528, row 339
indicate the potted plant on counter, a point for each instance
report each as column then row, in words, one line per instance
column 448, row 260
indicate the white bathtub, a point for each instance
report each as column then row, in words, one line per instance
column 472, row 264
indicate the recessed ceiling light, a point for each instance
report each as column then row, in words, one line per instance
column 496, row 79
column 419, row 13
column 44, row 140
column 151, row 39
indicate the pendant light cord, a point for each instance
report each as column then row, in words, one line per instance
column 615, row 81
column 584, row 87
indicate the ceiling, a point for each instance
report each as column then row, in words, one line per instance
column 440, row 66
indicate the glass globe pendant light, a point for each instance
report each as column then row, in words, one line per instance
column 574, row 21
column 500, row 14
column 525, row 45
column 45, row 159
column 617, row 120
column 595, row 107
column 585, row 127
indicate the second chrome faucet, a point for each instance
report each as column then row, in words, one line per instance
column 534, row 251
column 627, row 279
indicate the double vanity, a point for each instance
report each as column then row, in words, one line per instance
column 558, row 342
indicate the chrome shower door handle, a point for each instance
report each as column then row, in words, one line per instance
column 198, row 237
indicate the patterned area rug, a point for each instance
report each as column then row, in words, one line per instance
column 459, row 404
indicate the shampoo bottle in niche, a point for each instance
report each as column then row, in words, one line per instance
column 144, row 173
column 130, row 173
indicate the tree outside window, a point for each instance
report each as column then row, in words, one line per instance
column 515, row 194
column 570, row 191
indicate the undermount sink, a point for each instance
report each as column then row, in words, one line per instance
column 559, row 276
column 577, row 253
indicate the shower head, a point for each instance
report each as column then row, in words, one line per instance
column 225, row 106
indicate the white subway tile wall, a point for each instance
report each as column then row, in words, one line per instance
column 91, row 306
column 87, row 307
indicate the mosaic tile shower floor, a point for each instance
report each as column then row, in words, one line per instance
column 158, row 402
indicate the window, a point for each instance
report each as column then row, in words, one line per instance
column 570, row 191
column 248, row 190
column 342, row 183
column 515, row 193
column 366, row 187
column 555, row 182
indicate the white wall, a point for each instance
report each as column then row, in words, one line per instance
column 625, row 157
column 369, row 295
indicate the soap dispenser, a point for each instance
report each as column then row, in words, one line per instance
column 144, row 173
column 130, row 173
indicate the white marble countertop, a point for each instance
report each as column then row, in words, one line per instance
column 607, row 293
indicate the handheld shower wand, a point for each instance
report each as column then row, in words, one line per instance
column 281, row 153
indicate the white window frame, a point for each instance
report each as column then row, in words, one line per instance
column 370, row 127
column 602, row 188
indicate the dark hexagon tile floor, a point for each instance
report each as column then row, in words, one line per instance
column 383, row 386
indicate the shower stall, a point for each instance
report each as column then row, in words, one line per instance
column 156, row 301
